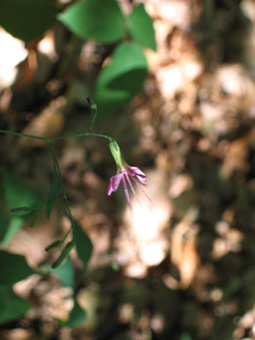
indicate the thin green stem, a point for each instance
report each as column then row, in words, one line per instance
column 50, row 140
column 66, row 235
column 84, row 134
column 24, row 135
column 94, row 110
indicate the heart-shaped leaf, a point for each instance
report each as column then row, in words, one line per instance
column 140, row 26
column 27, row 19
column 122, row 79
column 101, row 20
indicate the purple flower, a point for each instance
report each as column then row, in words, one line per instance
column 127, row 174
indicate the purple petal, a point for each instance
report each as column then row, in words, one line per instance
column 130, row 184
column 114, row 183
column 132, row 188
column 141, row 188
column 135, row 171
column 126, row 192
column 126, row 175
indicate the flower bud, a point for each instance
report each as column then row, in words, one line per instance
column 116, row 153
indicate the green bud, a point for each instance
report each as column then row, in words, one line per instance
column 20, row 211
column 65, row 252
column 116, row 153
column 92, row 105
column 54, row 245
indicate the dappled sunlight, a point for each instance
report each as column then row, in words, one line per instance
column 184, row 247
column 13, row 52
column 147, row 223
column 230, row 240
column 236, row 154
column 32, row 242
column 173, row 77
column 148, row 220
column 47, row 46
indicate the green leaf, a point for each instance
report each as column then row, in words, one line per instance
column 54, row 190
column 65, row 272
column 77, row 315
column 12, row 306
column 101, row 20
column 84, row 246
column 65, row 252
column 27, row 19
column 14, row 225
column 122, row 79
column 20, row 211
column 14, row 268
column 140, row 26
column 17, row 193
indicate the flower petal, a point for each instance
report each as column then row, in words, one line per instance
column 126, row 192
column 141, row 188
column 131, row 186
column 135, row 171
column 114, row 183
column 126, row 174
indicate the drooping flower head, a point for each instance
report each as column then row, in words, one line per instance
column 125, row 174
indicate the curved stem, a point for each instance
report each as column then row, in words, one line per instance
column 50, row 140
column 84, row 134
column 24, row 135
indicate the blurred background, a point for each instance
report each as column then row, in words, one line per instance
column 180, row 266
